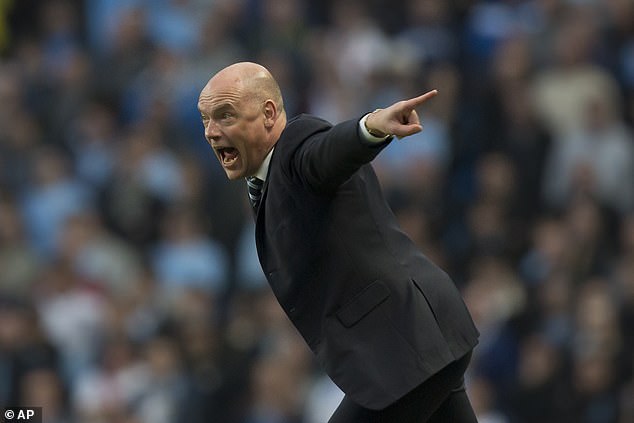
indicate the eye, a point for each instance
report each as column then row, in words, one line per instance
column 226, row 115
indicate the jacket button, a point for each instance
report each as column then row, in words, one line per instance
column 292, row 310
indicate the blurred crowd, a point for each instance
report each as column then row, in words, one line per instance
column 130, row 290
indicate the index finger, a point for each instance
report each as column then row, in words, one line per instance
column 417, row 101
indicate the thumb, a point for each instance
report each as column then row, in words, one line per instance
column 409, row 124
column 409, row 129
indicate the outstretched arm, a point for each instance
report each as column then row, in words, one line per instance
column 328, row 157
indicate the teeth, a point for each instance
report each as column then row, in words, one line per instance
column 228, row 155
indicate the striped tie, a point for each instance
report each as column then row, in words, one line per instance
column 254, row 186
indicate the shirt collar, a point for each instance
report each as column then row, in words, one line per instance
column 264, row 167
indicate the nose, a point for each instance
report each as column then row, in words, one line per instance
column 212, row 131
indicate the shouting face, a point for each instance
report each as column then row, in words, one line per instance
column 239, row 118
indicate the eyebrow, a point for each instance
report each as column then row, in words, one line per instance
column 218, row 108
column 222, row 107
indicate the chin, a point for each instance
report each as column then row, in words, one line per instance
column 233, row 175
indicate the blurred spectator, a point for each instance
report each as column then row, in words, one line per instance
column 595, row 159
column 328, row 95
column 589, row 231
column 249, row 272
column 128, row 52
column 68, row 93
column 481, row 394
column 139, row 313
column 511, row 123
column 175, row 24
column 211, row 376
column 185, row 258
column 541, row 377
column 106, row 391
column 17, row 142
column 73, row 317
column 355, row 44
column 594, row 389
column 103, row 18
column 488, row 24
column 490, row 225
column 618, row 28
column 24, row 348
column 429, row 33
column 59, row 26
column 92, row 141
column 282, row 27
column 283, row 364
column 52, row 197
column 572, row 81
column 18, row 261
column 98, row 256
column 166, row 393
column 45, row 388
column 154, row 166
column 496, row 299
column 596, row 322
column 554, row 300
column 548, row 253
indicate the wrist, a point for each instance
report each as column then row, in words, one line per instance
column 373, row 131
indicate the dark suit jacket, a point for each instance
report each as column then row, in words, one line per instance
column 380, row 317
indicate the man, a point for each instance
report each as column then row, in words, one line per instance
column 387, row 325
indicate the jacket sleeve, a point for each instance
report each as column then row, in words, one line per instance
column 329, row 155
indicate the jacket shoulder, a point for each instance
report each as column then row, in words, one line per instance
column 298, row 129
column 303, row 126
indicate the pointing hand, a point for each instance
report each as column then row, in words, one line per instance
column 399, row 119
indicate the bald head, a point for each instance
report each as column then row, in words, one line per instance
column 243, row 113
column 252, row 80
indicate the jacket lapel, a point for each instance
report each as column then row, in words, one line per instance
column 260, row 213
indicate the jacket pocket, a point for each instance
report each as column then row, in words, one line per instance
column 363, row 303
column 429, row 305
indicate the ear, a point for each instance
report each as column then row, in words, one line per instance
column 270, row 113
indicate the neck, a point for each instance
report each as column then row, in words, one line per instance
column 276, row 130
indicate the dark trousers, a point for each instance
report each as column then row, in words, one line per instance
column 441, row 398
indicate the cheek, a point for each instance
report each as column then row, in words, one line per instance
column 251, row 142
column 248, row 139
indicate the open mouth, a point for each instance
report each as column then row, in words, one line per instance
column 228, row 155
